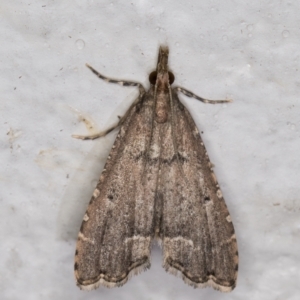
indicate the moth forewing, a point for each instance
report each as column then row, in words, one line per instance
column 157, row 182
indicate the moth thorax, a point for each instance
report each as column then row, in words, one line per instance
column 162, row 107
column 162, row 100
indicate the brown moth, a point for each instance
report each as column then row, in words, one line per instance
column 157, row 183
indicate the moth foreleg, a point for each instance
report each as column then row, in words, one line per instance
column 192, row 95
column 121, row 119
column 120, row 82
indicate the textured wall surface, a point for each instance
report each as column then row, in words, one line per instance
column 247, row 51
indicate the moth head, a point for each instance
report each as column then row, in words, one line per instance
column 162, row 66
column 153, row 77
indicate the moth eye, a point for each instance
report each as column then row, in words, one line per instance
column 152, row 77
column 171, row 77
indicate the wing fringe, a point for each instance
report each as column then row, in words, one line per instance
column 211, row 282
column 109, row 284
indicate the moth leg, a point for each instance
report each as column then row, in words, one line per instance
column 105, row 132
column 97, row 135
column 120, row 82
column 192, row 95
column 121, row 119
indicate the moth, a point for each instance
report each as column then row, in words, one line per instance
column 157, row 183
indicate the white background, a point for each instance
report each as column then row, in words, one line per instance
column 245, row 50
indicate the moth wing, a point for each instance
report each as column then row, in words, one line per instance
column 115, row 236
column 197, row 234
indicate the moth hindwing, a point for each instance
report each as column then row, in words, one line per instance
column 157, row 183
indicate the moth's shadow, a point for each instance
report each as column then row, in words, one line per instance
column 79, row 191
